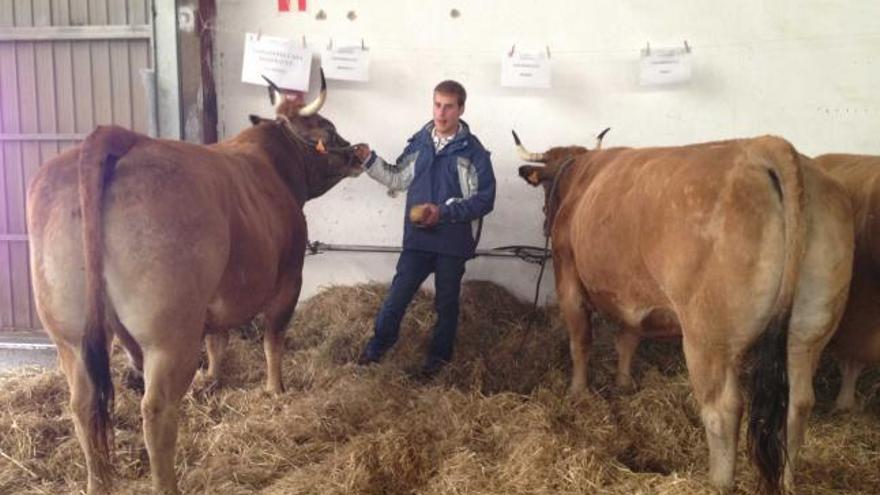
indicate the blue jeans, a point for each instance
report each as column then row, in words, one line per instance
column 413, row 268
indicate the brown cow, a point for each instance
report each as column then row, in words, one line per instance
column 857, row 341
column 737, row 244
column 159, row 243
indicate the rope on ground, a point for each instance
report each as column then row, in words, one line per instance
column 529, row 254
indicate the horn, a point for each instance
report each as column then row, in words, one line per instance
column 600, row 137
column 273, row 88
column 524, row 153
column 313, row 107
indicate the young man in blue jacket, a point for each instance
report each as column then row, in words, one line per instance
column 450, row 186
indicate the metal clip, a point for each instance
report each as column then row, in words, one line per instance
column 512, row 50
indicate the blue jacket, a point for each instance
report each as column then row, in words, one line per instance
column 459, row 179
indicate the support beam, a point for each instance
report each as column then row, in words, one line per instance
column 167, row 63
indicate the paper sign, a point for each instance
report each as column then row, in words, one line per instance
column 661, row 66
column 525, row 69
column 346, row 63
column 279, row 59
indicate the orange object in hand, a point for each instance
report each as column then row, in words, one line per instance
column 417, row 213
column 424, row 215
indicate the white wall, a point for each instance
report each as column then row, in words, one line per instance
column 807, row 70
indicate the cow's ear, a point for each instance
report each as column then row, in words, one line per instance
column 255, row 119
column 531, row 174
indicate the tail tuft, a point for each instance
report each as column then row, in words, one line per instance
column 767, row 438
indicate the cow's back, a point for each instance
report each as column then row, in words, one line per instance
column 660, row 227
column 184, row 226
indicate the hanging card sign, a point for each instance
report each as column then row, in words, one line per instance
column 525, row 68
column 346, row 62
column 280, row 59
column 661, row 66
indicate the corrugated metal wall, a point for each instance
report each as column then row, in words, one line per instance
column 65, row 67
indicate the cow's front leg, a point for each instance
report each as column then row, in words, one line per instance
column 216, row 344
column 207, row 381
column 626, row 342
column 577, row 320
column 849, row 376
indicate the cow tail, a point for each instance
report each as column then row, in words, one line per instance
column 769, row 390
column 98, row 156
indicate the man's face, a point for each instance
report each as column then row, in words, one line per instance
column 447, row 113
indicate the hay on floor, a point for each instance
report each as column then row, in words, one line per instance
column 497, row 421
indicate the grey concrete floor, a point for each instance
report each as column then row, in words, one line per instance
column 18, row 349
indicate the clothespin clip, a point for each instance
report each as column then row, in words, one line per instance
column 330, row 44
column 363, row 45
column 259, row 32
column 305, row 45
column 548, row 51
column 512, row 49
column 687, row 48
column 647, row 50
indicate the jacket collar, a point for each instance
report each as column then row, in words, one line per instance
column 458, row 142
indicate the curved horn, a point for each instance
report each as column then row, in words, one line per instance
column 524, row 153
column 600, row 137
column 313, row 107
column 273, row 89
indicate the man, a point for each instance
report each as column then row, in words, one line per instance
column 450, row 187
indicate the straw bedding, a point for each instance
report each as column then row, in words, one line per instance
column 498, row 421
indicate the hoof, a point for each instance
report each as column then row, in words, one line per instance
column 133, row 379
column 204, row 385
column 625, row 387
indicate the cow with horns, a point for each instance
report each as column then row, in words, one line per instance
column 160, row 244
column 737, row 245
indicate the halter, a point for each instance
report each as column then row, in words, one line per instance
column 317, row 146
column 551, row 198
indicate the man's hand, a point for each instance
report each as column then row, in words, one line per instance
column 425, row 215
column 362, row 151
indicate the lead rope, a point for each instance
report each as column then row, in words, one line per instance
column 552, row 212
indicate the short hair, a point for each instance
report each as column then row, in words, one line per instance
column 450, row 87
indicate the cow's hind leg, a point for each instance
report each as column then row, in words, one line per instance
column 81, row 390
column 169, row 368
column 716, row 388
column 817, row 310
column 849, row 375
column 278, row 315
column 803, row 360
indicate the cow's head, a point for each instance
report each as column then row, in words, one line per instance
column 326, row 156
column 557, row 162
